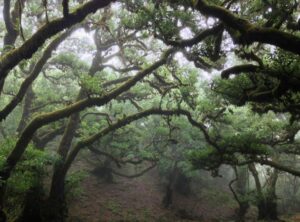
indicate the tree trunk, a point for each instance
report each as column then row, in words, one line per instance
column 168, row 198
column 266, row 202
column 29, row 97
column 104, row 171
column 182, row 184
column 241, row 192
column 3, row 217
column 242, row 181
column 32, row 205
column 57, row 208
column 267, row 209
column 25, row 114
column 243, row 208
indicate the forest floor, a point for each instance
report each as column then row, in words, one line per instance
column 139, row 199
column 296, row 218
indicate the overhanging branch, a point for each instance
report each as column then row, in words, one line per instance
column 250, row 33
column 33, row 75
column 11, row 59
column 278, row 166
column 246, row 68
column 44, row 119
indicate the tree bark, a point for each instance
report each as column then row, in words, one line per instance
column 241, row 187
column 248, row 32
column 9, row 60
column 44, row 119
column 168, row 198
column 29, row 97
column 266, row 201
column 33, row 74
column 57, row 190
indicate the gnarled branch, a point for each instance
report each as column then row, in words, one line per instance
column 11, row 59
column 250, row 33
column 246, row 68
column 33, row 75
column 44, row 119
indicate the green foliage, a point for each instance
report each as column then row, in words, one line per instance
column 29, row 170
column 233, row 89
column 267, row 89
column 140, row 19
column 137, row 31
column 92, row 84
column 29, row 173
column 245, row 143
column 205, row 158
column 73, row 184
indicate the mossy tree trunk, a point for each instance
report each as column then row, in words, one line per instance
column 266, row 201
column 241, row 186
column 46, row 118
column 267, row 207
column 240, row 192
column 56, row 200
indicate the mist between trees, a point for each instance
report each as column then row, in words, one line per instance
column 189, row 108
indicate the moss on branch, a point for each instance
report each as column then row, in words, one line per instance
column 248, row 32
column 30, row 46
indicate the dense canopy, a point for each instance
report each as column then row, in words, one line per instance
column 178, row 86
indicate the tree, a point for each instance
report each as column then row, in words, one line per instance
column 142, row 56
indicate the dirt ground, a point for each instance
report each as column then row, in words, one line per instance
column 139, row 199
